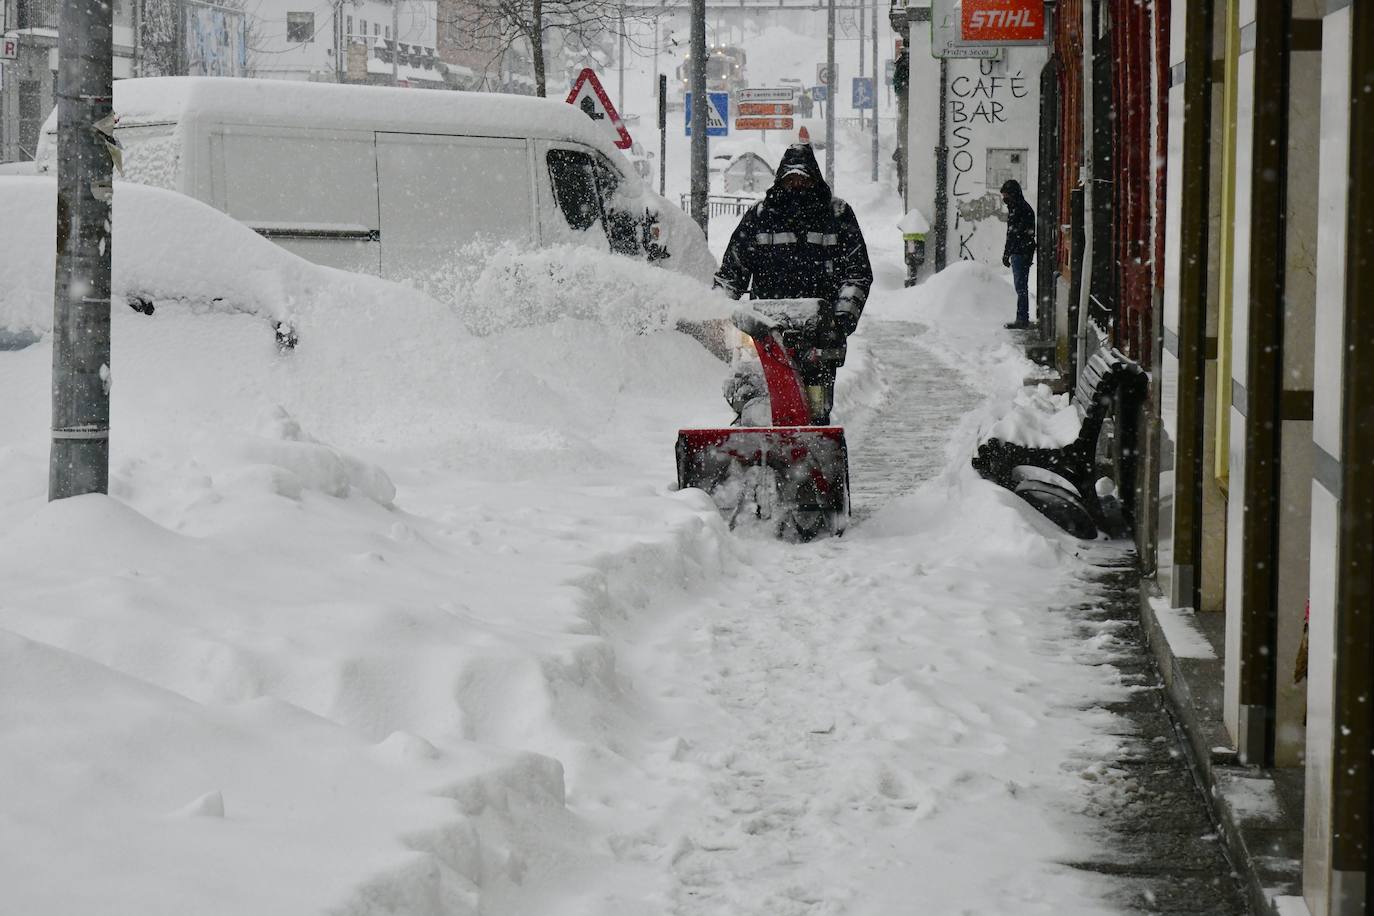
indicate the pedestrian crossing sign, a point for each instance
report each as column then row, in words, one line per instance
column 717, row 114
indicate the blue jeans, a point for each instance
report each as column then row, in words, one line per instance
column 1020, row 278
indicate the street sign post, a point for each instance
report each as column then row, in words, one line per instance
column 588, row 95
column 862, row 88
column 717, row 114
column 765, row 109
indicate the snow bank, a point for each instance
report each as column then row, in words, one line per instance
column 334, row 640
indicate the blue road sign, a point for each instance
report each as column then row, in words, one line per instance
column 717, row 114
column 863, row 92
column 820, row 93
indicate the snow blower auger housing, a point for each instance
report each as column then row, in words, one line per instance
column 792, row 475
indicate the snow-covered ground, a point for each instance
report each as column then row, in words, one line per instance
column 410, row 620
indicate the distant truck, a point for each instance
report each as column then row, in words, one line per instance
column 393, row 182
column 725, row 72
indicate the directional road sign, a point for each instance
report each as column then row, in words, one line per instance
column 757, row 109
column 781, row 94
column 820, row 93
column 863, row 92
column 763, row 123
column 588, row 95
column 717, row 114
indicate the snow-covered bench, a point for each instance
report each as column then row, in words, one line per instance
column 1062, row 482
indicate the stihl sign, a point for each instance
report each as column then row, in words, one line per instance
column 993, row 21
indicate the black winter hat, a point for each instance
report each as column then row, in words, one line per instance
column 1013, row 187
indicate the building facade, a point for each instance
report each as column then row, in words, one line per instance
column 1215, row 212
column 278, row 39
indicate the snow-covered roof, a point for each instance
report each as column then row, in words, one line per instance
column 173, row 99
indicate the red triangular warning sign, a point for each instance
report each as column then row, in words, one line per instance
column 588, row 95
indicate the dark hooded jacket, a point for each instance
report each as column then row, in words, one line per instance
column 1020, row 222
column 800, row 245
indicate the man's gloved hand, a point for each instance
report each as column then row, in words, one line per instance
column 1006, row 260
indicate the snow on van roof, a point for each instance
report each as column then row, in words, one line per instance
column 266, row 102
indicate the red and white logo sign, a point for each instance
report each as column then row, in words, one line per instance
column 588, row 95
column 9, row 48
column 1003, row 20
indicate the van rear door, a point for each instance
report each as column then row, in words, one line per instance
column 442, row 194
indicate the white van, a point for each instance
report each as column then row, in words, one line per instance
column 394, row 182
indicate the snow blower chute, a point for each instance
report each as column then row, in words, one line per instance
column 793, row 475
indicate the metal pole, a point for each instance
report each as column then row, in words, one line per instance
column 830, row 83
column 875, row 88
column 941, row 174
column 395, row 42
column 620, row 90
column 862, row 25
column 662, row 134
column 80, row 456
column 697, row 82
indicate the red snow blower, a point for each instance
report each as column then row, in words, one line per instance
column 793, row 475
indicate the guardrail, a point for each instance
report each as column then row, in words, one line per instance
column 721, row 204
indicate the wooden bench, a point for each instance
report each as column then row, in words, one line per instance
column 1062, row 482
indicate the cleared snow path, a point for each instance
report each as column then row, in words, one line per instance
column 906, row 443
column 890, row 722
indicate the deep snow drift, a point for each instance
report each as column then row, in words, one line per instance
column 410, row 620
column 415, row 624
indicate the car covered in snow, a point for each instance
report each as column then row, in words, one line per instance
column 393, row 182
column 170, row 251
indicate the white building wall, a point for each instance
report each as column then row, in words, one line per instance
column 272, row 56
column 990, row 105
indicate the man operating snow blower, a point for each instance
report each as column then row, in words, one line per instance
column 801, row 257
column 802, row 242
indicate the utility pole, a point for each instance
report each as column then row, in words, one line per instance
column 861, row 58
column 80, row 456
column 395, row 42
column 700, row 163
column 662, row 134
column 830, row 84
column 941, row 174
column 875, row 87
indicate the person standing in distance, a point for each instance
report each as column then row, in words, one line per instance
column 1019, row 250
column 802, row 242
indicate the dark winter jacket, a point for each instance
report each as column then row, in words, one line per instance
column 800, row 246
column 901, row 73
column 1020, row 222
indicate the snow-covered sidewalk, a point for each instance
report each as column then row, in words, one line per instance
column 339, row 651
